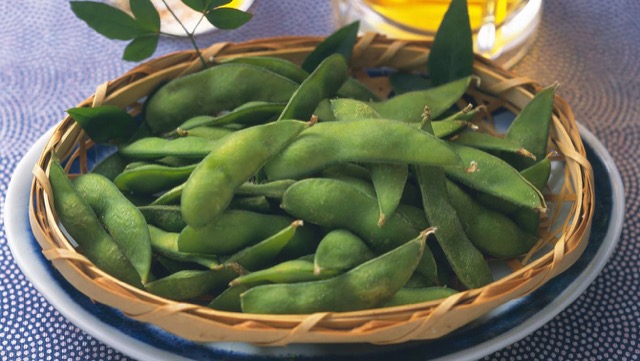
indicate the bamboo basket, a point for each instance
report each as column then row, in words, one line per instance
column 564, row 236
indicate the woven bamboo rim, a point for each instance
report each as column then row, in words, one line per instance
column 494, row 88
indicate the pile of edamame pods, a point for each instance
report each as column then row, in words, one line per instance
column 260, row 186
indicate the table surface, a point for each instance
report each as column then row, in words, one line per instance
column 50, row 61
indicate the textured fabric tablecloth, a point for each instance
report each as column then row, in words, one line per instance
column 50, row 61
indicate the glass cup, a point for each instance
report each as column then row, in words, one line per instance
column 188, row 17
column 503, row 30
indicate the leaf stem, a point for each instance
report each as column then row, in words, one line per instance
column 189, row 34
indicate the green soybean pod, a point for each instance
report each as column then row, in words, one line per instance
column 229, row 299
column 111, row 166
column 292, row 271
column 213, row 90
column 371, row 284
column 531, row 126
column 151, row 148
column 354, row 89
column 340, row 250
column 166, row 244
column 407, row 296
column 539, row 173
column 166, row 217
column 189, row 284
column 322, row 201
column 170, row 197
column 209, row 133
column 83, row 225
column 417, row 280
column 389, row 181
column 253, row 203
column 279, row 66
column 252, row 113
column 263, row 253
column 527, row 219
column 323, row 111
column 351, row 109
column 465, row 260
column 408, row 107
column 491, row 232
column 323, row 83
column 273, row 189
column 152, row 178
column 350, row 170
column 495, row 177
column 492, row 143
column 365, row 141
column 406, row 82
column 238, row 157
column 237, row 229
column 351, row 88
column 122, row 220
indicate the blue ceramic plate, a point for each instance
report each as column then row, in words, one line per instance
column 504, row 326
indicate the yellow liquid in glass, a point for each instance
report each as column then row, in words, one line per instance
column 426, row 15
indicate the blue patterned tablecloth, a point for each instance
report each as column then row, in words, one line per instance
column 50, row 61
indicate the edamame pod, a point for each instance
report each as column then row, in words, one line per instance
column 496, row 177
column 465, row 260
column 236, row 229
column 366, row 141
column 262, row 254
column 213, row 90
column 293, row 271
column 489, row 142
column 407, row 296
column 371, row 284
column 209, row 133
column 229, row 300
column 154, row 148
column 322, row 201
column 211, row 186
column 111, row 166
column 122, row 220
column 279, row 66
column 172, row 196
column 491, row 232
column 166, row 217
column 408, row 107
column 166, row 244
column 350, row 109
column 152, row 178
column 340, row 250
column 188, row 284
column 252, row 113
column 389, row 181
column 83, row 225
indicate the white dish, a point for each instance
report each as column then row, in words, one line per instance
column 502, row 327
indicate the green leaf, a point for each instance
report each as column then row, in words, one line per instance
column 451, row 56
column 146, row 14
column 197, row 5
column 340, row 42
column 141, row 47
column 228, row 18
column 106, row 20
column 405, row 82
column 204, row 6
column 105, row 124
